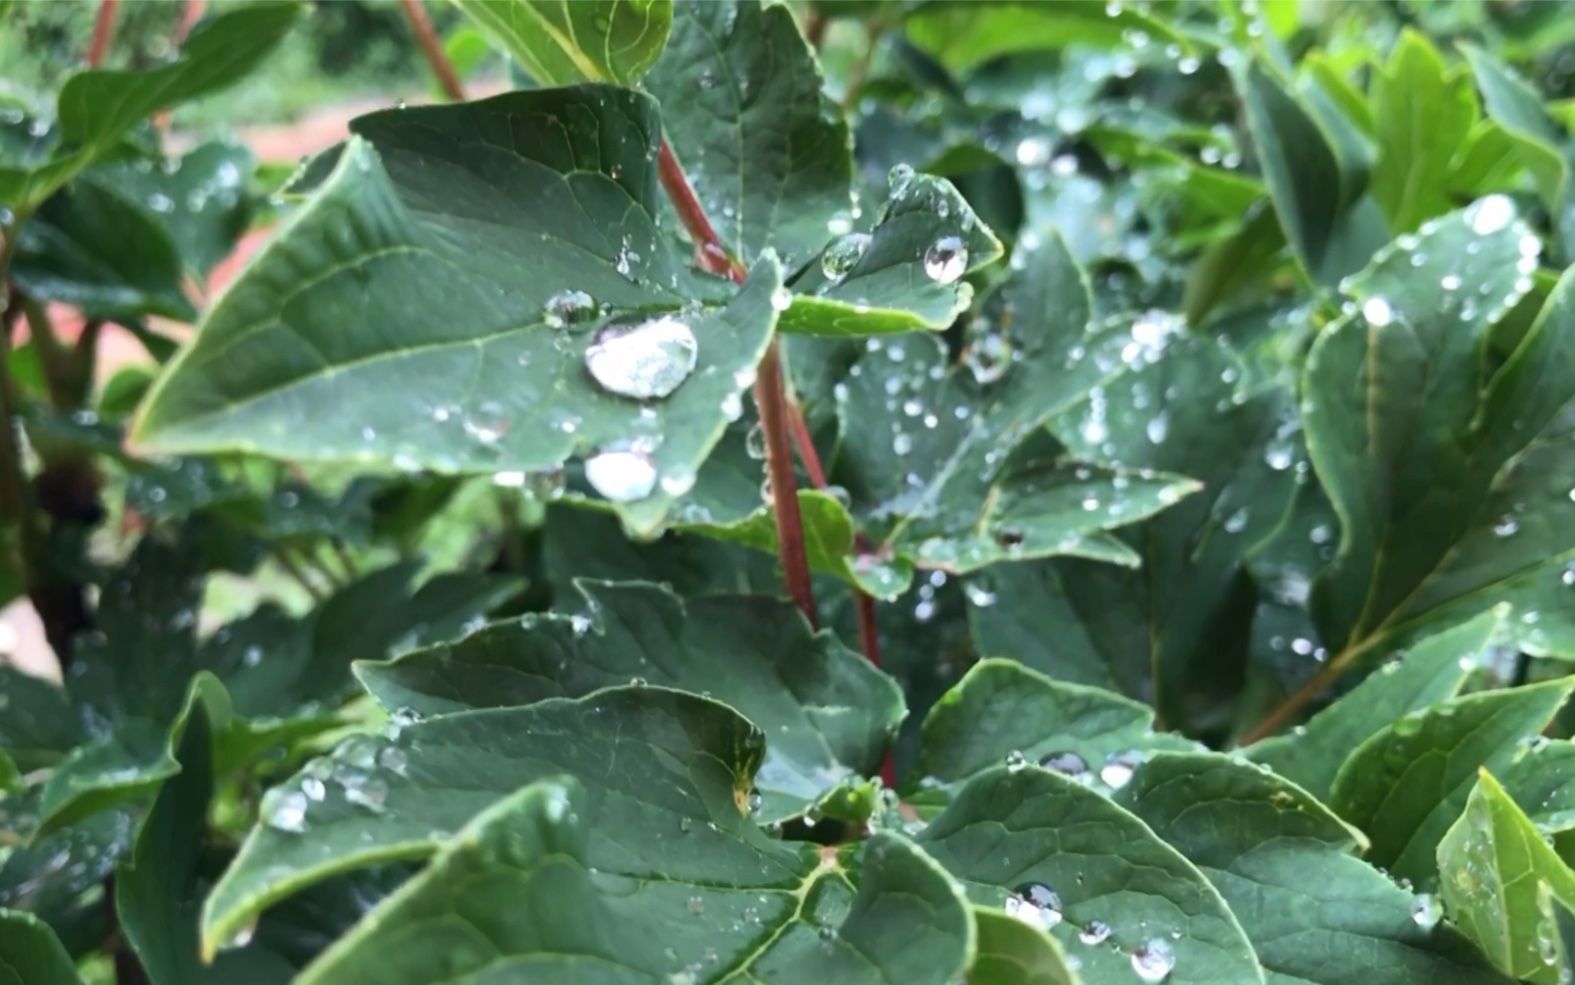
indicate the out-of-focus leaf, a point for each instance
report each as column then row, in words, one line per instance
column 30, row 954
column 560, row 42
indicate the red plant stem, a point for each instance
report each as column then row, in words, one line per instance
column 103, row 32
column 426, row 37
column 770, row 392
column 190, row 14
column 805, row 446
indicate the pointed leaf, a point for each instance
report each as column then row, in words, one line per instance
column 563, row 199
column 1492, row 864
column 1424, row 112
column 200, row 198
column 829, row 713
column 30, row 954
column 1521, row 115
column 522, row 877
column 1429, row 672
column 37, row 726
column 1314, row 912
column 1405, row 785
column 1007, row 829
column 766, row 151
column 560, row 43
column 1012, row 953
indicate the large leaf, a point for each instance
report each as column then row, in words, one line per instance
column 1429, row 672
column 560, row 42
column 519, row 212
column 95, row 108
column 670, row 770
column 1287, row 866
column 829, row 714
column 1424, row 112
column 766, row 152
column 1452, row 485
column 1492, row 864
column 1406, row 784
column 1108, row 877
column 30, row 954
column 523, row 878
column 1004, row 712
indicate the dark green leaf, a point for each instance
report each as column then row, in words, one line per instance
column 1009, row 952
column 1424, row 112
column 49, row 873
column 829, row 714
column 37, row 726
column 30, row 954
column 1493, row 863
column 199, row 198
column 1429, row 672
column 766, row 152
column 1519, row 112
column 1008, row 828
column 523, row 877
column 563, row 197
column 1406, row 784
column 1287, row 866
column 560, row 43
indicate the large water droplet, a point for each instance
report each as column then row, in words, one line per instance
column 1377, row 312
column 644, row 360
column 1035, row 904
column 1426, row 911
column 1488, row 215
column 1118, row 769
column 568, row 308
column 945, row 260
column 1067, row 764
column 284, row 809
column 622, row 475
column 1153, row 960
column 843, row 255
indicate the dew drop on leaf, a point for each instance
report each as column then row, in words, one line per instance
column 1426, row 911
column 1377, row 312
column 755, row 442
column 314, row 788
column 1118, row 769
column 945, row 260
column 487, row 423
column 622, row 475
column 284, row 809
column 1450, row 282
column 1488, row 215
column 1067, row 764
column 1153, row 960
column 843, row 255
column 1094, row 932
column 1035, row 904
column 568, row 308
column 781, row 299
column 1016, row 762
column 644, row 360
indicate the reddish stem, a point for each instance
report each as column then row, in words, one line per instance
column 103, row 32
column 190, row 14
column 770, row 393
column 805, row 446
column 432, row 47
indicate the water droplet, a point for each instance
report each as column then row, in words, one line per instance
column 314, row 788
column 284, row 809
column 393, row 759
column 1377, row 312
column 1426, row 911
column 1016, row 762
column 945, row 260
column 843, row 255
column 1035, row 904
column 1118, row 769
column 366, row 791
column 1158, row 426
column 753, row 802
column 988, row 356
column 1094, row 932
column 1506, row 527
column 622, row 475
column 781, row 299
column 567, row 308
column 1450, row 282
column 1153, row 960
column 1065, row 763
column 1034, row 152
column 1237, row 521
column 979, row 593
column 487, row 423
column 644, row 360
column 1488, row 215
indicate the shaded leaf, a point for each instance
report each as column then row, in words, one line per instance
column 1406, row 784
column 1424, row 112
column 1521, row 116
column 199, row 198
column 30, row 954
column 37, row 726
column 560, row 43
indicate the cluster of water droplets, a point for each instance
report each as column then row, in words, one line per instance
column 358, row 768
column 1040, row 907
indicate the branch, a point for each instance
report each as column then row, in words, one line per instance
column 770, row 393
column 103, row 32
column 1326, row 675
column 432, row 47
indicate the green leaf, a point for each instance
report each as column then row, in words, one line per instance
column 1224, row 268
column 1009, row 952
column 1449, row 473
column 30, row 954
column 1431, row 671
column 1424, row 112
column 523, row 878
column 1492, row 864
column 766, row 151
column 1287, row 867
column 902, row 276
column 157, row 891
column 1521, row 115
column 560, row 43
column 97, row 107
column 1010, row 828
column 965, row 36
column 563, row 198
column 1406, row 784
column 93, row 248
column 37, row 726
column 1002, row 711
column 830, row 715
column 50, row 872
column 199, row 198
column 1563, row 920
column 667, row 776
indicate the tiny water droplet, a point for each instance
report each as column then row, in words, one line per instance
column 1035, row 904
column 1153, row 960
column 781, row 299
column 755, row 442
column 945, row 260
column 284, row 809
column 1016, row 762
column 1065, row 763
column 568, row 308
column 1426, row 911
column 1094, row 932
column 621, row 475
column 644, row 360
column 1118, row 769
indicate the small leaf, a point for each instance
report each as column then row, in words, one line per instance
column 1492, row 864
column 1521, row 115
column 523, row 875
column 560, row 43
column 49, row 873
column 1314, row 912
column 1431, row 671
column 1007, row 830
column 830, row 715
column 1009, row 952
column 1424, row 112
column 30, row 954
column 200, row 198
column 964, row 36
column 37, row 727
column 1407, row 783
